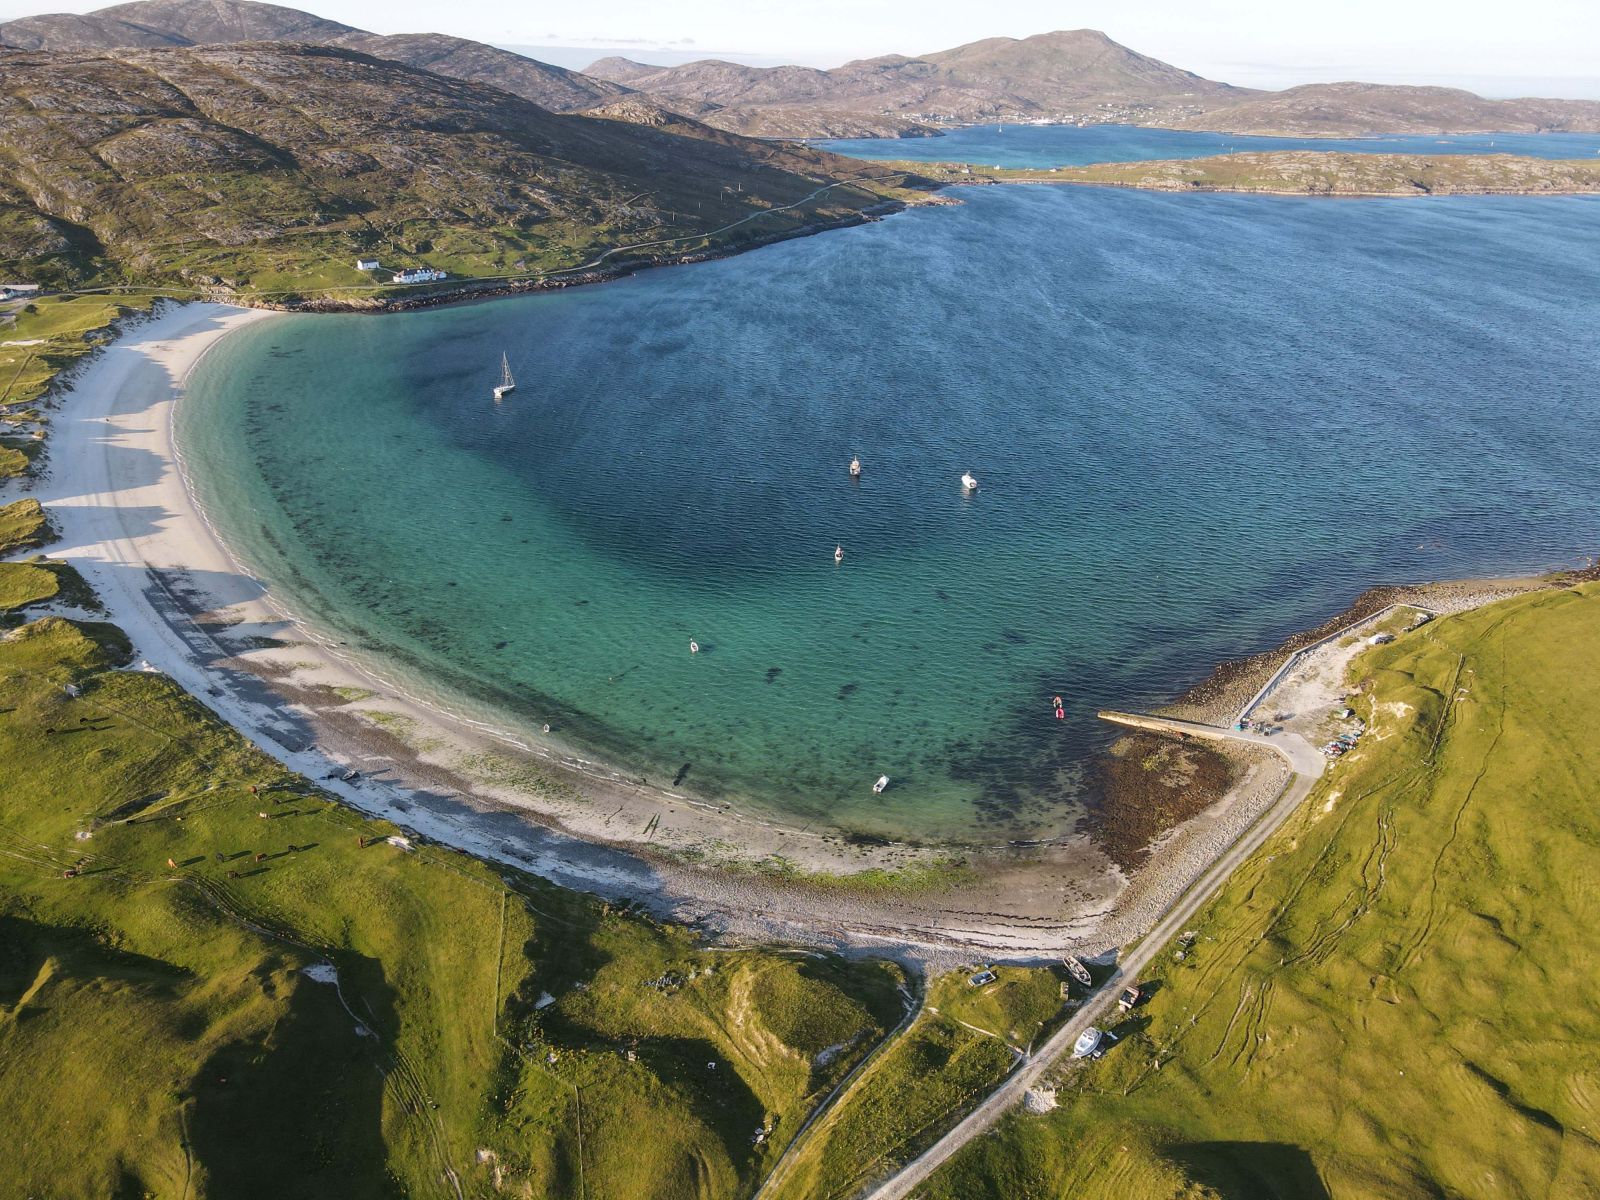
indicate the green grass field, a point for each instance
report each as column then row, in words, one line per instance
column 47, row 336
column 919, row 1086
column 1016, row 1007
column 23, row 526
column 22, row 584
column 163, row 885
column 1391, row 1000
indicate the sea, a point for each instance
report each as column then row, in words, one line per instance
column 1035, row 146
column 1198, row 424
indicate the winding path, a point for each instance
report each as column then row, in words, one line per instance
column 1306, row 764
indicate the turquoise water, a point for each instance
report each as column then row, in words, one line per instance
column 1068, row 145
column 1200, row 422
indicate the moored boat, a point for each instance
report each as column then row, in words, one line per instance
column 507, row 383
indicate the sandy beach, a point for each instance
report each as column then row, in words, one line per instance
column 115, row 490
column 116, row 493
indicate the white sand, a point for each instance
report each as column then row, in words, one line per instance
column 128, row 523
column 115, row 493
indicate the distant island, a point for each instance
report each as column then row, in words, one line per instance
column 1313, row 173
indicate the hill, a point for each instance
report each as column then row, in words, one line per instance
column 1334, row 109
column 261, row 169
column 169, row 23
column 1062, row 75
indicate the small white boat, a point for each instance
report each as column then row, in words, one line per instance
column 883, row 782
column 1088, row 1043
column 838, row 554
column 968, row 483
column 855, row 468
column 507, row 384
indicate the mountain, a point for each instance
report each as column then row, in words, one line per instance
column 156, row 23
column 1358, row 108
column 550, row 86
column 267, row 168
column 169, row 23
column 1068, row 67
column 1068, row 75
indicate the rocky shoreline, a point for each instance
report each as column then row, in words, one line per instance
column 1217, row 699
column 473, row 290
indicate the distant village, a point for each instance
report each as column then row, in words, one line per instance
column 1107, row 113
column 405, row 274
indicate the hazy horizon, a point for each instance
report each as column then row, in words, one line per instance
column 1270, row 76
column 1252, row 43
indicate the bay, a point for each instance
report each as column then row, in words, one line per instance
column 1199, row 423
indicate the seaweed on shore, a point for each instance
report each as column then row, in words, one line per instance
column 1146, row 784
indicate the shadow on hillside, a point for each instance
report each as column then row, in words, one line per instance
column 1252, row 1170
column 296, row 1108
column 30, row 951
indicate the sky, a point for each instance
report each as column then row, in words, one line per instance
column 1549, row 47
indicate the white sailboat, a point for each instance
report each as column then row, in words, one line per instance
column 507, row 384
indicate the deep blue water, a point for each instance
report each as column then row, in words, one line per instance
column 1071, row 146
column 1200, row 423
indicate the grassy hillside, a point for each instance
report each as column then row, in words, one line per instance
column 40, row 339
column 1391, row 1000
column 163, row 890
column 963, row 1043
column 167, row 23
column 23, row 526
column 265, row 171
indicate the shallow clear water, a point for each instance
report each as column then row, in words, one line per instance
column 1068, row 145
column 1200, row 422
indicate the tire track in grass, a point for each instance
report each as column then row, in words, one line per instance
column 1431, row 913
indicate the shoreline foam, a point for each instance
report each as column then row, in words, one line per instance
column 129, row 523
